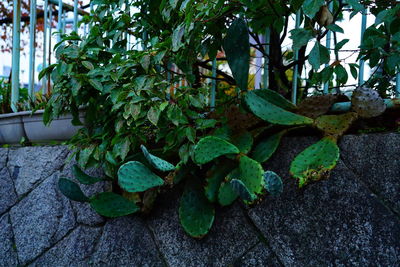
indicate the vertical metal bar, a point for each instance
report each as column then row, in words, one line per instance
column 76, row 16
column 44, row 65
column 258, row 74
column 213, row 84
column 49, row 50
column 266, row 59
column 296, row 68
column 362, row 62
column 15, row 54
column 59, row 24
column 32, row 54
column 328, row 45
column 397, row 93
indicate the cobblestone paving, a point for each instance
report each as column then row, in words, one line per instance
column 350, row 219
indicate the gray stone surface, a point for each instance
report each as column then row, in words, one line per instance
column 8, row 254
column 3, row 157
column 126, row 242
column 74, row 250
column 230, row 236
column 375, row 159
column 335, row 222
column 31, row 165
column 259, row 256
column 41, row 219
column 8, row 197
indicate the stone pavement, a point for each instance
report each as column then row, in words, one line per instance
column 350, row 219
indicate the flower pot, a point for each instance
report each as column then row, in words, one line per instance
column 11, row 128
column 60, row 129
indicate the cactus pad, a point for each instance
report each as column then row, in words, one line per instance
column 112, row 205
column 71, row 190
column 316, row 106
column 239, row 188
column 196, row 213
column 243, row 141
column 251, row 174
column 273, row 183
column 134, row 177
column 273, row 114
column 266, row 148
column 157, row 162
column 214, row 178
column 226, row 194
column 315, row 162
column 211, row 147
column 83, row 178
column 367, row 103
column 335, row 125
column 275, row 98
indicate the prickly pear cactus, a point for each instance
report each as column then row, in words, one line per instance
column 315, row 162
column 316, row 106
column 275, row 98
column 196, row 213
column 266, row 148
column 335, row 125
column 273, row 114
column 83, row 178
column 243, row 141
column 157, row 162
column 134, row 177
column 273, row 183
column 215, row 176
column 240, row 188
column 112, row 205
column 367, row 102
column 251, row 174
column 211, row 147
column 71, row 190
column 226, row 194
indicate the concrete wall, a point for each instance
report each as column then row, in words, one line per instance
column 351, row 219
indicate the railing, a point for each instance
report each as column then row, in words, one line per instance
column 261, row 77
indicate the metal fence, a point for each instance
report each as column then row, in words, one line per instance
column 261, row 77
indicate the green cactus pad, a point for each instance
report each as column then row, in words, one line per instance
column 237, row 50
column 157, row 162
column 214, row 178
column 315, row 162
column 196, row 213
column 134, row 177
column 266, row 148
column 275, row 98
column 71, row 190
column 273, row 183
column 112, row 205
column 240, row 188
column 315, row 106
column 211, row 147
column 243, row 141
column 335, row 125
column 273, row 114
column 251, row 174
column 367, row 103
column 83, row 178
column 226, row 195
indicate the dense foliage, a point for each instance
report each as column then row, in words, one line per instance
column 151, row 100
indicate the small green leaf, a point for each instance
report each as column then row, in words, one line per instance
column 177, row 35
column 88, row 65
column 153, row 115
column 340, row 45
column 353, row 70
column 71, row 190
column 335, row 28
column 133, row 177
column 112, row 205
column 96, row 84
column 311, row 7
column 341, row 74
column 319, row 55
column 300, row 37
column 83, row 178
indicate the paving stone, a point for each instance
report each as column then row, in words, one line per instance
column 8, row 197
column 3, row 157
column 84, row 213
column 335, row 222
column 8, row 254
column 259, row 256
column 41, row 219
column 375, row 158
column 126, row 242
column 74, row 250
column 230, row 236
column 31, row 165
